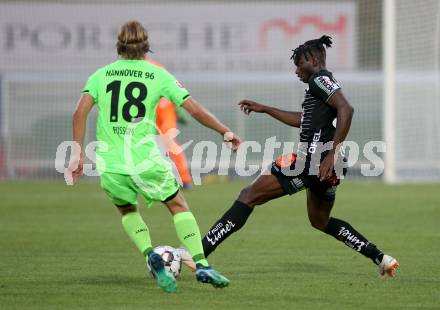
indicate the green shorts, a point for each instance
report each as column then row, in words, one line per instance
column 157, row 184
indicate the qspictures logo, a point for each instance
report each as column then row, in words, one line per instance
column 206, row 156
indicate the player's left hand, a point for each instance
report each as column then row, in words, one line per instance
column 232, row 140
column 326, row 167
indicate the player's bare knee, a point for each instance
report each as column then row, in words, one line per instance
column 125, row 209
column 243, row 196
column 176, row 204
column 247, row 197
column 177, row 208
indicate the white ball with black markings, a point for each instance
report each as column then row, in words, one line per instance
column 171, row 259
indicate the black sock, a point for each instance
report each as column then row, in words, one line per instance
column 230, row 222
column 344, row 232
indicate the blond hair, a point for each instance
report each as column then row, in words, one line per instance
column 132, row 41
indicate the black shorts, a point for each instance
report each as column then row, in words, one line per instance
column 293, row 184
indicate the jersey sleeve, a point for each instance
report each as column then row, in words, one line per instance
column 173, row 90
column 323, row 87
column 91, row 87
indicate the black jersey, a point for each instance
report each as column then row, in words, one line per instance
column 318, row 118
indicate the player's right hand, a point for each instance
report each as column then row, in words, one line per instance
column 248, row 106
column 78, row 172
column 74, row 171
column 232, row 140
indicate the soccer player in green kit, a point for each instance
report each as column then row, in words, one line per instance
column 126, row 93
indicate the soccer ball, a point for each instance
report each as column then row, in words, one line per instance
column 171, row 259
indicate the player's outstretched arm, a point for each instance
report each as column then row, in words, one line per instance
column 289, row 118
column 79, row 122
column 207, row 119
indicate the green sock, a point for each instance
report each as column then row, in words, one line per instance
column 189, row 234
column 138, row 232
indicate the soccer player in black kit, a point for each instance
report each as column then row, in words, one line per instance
column 323, row 102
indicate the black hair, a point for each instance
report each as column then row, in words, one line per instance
column 313, row 48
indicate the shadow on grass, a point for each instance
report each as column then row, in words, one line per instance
column 111, row 280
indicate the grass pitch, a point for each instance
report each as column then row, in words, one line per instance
column 64, row 248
